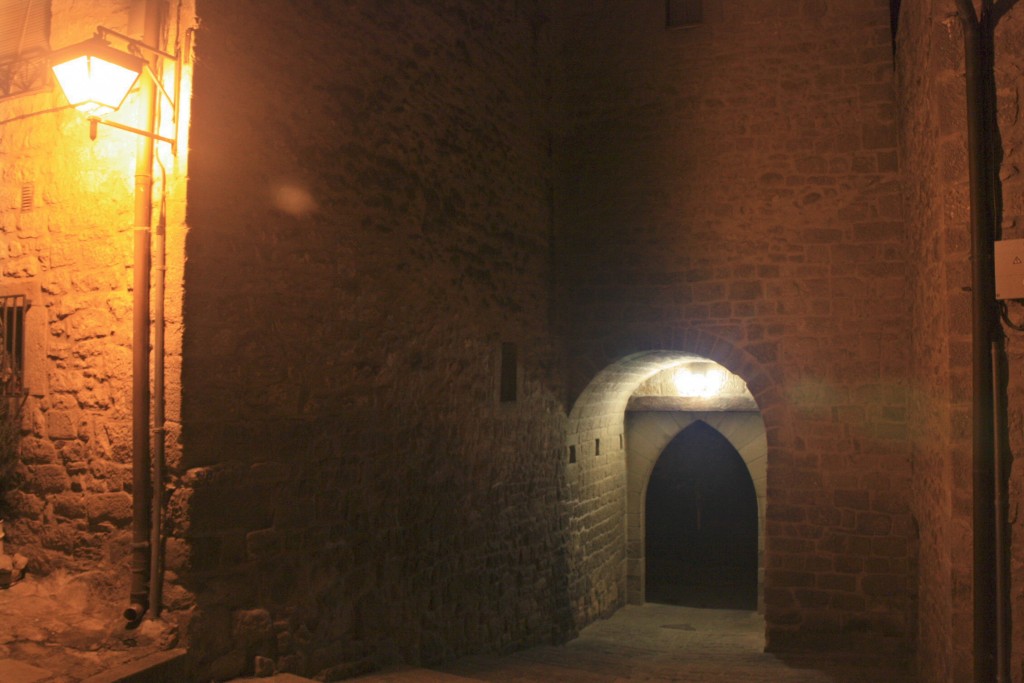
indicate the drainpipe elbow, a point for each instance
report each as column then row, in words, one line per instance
column 134, row 613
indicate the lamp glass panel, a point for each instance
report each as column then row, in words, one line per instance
column 93, row 85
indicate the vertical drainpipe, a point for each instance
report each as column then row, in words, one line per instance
column 159, row 430
column 1003, row 458
column 977, row 33
column 141, row 481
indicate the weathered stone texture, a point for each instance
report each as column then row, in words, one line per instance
column 1010, row 92
column 70, row 251
column 935, row 210
column 382, row 194
column 370, row 221
column 936, row 197
column 740, row 179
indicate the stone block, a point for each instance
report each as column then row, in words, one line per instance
column 62, row 425
column 49, row 479
column 70, row 505
column 38, row 451
column 837, row 582
column 882, row 585
column 891, row 547
column 263, row 544
column 216, row 508
column 252, row 628
column 227, row 666
column 874, row 524
column 59, row 537
column 115, row 508
column 856, row 500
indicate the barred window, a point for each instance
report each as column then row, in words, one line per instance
column 24, row 45
column 12, row 349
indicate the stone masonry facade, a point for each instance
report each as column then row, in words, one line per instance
column 355, row 491
column 420, row 254
column 65, row 236
column 930, row 76
column 934, row 128
column 739, row 180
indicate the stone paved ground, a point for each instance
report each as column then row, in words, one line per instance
column 55, row 630
column 62, row 629
column 660, row 643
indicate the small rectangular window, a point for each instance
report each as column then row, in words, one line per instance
column 597, row 446
column 509, row 373
column 572, row 454
column 682, row 13
column 12, row 349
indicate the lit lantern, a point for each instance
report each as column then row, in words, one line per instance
column 699, row 384
column 94, row 76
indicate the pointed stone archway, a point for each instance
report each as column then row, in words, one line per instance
column 700, row 514
column 656, row 415
column 603, row 488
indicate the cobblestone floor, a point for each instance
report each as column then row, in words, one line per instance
column 656, row 644
column 60, row 629
column 56, row 630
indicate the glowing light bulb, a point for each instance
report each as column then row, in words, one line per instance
column 704, row 384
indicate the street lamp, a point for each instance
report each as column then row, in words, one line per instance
column 699, row 383
column 96, row 78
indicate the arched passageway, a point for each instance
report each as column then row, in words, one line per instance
column 701, row 524
column 619, row 425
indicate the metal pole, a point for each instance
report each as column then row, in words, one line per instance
column 159, row 431
column 1003, row 458
column 141, row 481
column 976, row 51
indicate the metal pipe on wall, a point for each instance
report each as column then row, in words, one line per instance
column 977, row 54
column 141, row 481
column 159, row 430
column 1002, row 464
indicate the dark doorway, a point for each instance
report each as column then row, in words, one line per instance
column 701, row 524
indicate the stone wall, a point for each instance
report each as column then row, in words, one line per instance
column 370, row 221
column 1010, row 92
column 595, row 488
column 740, row 180
column 383, row 195
column 69, row 248
column 934, row 157
column 930, row 75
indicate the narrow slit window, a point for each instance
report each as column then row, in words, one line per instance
column 12, row 330
column 597, row 446
column 572, row 454
column 683, row 13
column 509, row 373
